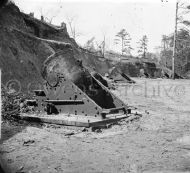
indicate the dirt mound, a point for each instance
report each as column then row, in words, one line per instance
column 187, row 75
column 27, row 42
column 21, row 56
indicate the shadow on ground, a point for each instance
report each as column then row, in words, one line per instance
column 11, row 128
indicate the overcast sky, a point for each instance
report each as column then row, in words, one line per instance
column 106, row 17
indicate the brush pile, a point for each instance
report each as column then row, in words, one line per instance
column 14, row 104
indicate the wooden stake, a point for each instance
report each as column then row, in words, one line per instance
column 174, row 46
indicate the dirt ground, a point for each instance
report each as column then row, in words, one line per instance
column 159, row 141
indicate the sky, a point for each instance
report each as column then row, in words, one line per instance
column 95, row 18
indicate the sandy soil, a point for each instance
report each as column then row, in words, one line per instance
column 157, row 142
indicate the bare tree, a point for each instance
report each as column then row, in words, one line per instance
column 49, row 18
column 181, row 9
column 89, row 45
column 71, row 20
column 44, row 16
column 101, row 46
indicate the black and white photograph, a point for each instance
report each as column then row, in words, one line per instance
column 95, row 86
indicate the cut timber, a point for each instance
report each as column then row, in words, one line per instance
column 127, row 78
column 73, row 120
column 119, row 77
column 102, row 80
column 122, row 78
column 65, row 102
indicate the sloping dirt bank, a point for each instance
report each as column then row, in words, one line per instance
column 27, row 42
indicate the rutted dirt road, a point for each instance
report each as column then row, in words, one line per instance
column 158, row 142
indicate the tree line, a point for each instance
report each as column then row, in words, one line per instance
column 123, row 40
column 182, row 42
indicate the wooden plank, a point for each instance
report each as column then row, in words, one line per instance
column 80, row 121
